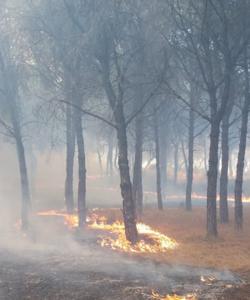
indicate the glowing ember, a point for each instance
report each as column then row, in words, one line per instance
column 157, row 296
column 150, row 240
column 208, row 279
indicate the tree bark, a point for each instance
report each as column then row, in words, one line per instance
column 176, row 163
column 163, row 165
column 224, row 217
column 116, row 104
column 129, row 214
column 137, row 174
column 205, row 157
column 26, row 198
column 240, row 170
column 230, row 165
column 70, row 144
column 109, row 163
column 242, row 150
column 190, row 165
column 158, row 168
column 82, row 212
column 212, row 179
column 99, row 157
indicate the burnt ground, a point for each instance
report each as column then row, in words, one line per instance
column 64, row 268
column 241, row 292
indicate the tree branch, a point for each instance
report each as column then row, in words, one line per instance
column 88, row 113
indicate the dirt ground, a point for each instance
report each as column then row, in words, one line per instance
column 68, row 265
column 231, row 250
column 70, row 269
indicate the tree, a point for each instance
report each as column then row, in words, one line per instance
column 65, row 64
column 11, row 101
column 190, row 164
column 158, row 160
column 216, row 50
column 242, row 146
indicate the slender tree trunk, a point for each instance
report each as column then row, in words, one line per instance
column 82, row 211
column 26, row 201
column 190, row 158
column 99, row 156
column 70, row 141
column 26, row 198
column 158, row 168
column 115, row 162
column 205, row 157
column 109, row 165
column 224, row 217
column 242, row 150
column 176, row 163
column 163, row 165
column 184, row 157
column 240, row 170
column 116, row 104
column 129, row 214
column 231, row 171
column 212, row 179
column 137, row 174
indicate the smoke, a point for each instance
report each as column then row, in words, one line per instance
column 50, row 251
column 50, row 246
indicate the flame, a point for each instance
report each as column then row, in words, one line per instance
column 230, row 198
column 157, row 296
column 150, row 240
column 196, row 196
column 70, row 220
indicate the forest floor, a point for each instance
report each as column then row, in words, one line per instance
column 230, row 251
column 58, row 264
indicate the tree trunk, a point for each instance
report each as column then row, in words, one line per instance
column 205, row 157
column 240, row 169
column 176, row 163
column 81, row 168
column 190, row 164
column 70, row 144
column 26, row 199
column 242, row 150
column 163, row 165
column 212, row 180
column 231, row 171
column 137, row 174
column 109, row 164
column 116, row 104
column 129, row 214
column 185, row 160
column 99, row 157
column 158, row 168
column 224, row 217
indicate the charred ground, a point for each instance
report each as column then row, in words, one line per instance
column 56, row 263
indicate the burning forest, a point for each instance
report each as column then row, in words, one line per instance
column 124, row 149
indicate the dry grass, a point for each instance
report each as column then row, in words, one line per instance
column 231, row 250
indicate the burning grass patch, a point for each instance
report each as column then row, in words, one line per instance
column 113, row 234
column 157, row 296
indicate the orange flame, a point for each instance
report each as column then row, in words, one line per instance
column 157, row 296
column 70, row 220
column 150, row 240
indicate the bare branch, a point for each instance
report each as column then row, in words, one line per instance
column 88, row 113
